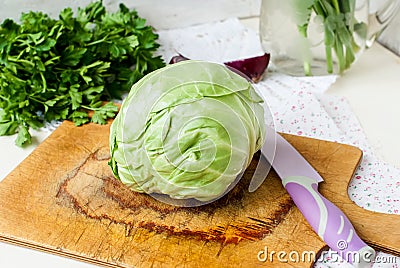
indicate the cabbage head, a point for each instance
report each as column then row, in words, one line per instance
column 187, row 131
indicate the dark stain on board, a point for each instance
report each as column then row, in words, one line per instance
column 102, row 197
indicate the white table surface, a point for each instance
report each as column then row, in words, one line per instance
column 372, row 87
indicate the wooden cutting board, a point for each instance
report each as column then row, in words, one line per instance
column 63, row 199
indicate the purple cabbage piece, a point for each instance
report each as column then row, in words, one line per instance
column 251, row 68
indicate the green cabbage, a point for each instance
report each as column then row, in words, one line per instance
column 187, row 131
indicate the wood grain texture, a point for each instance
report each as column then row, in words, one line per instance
column 63, row 199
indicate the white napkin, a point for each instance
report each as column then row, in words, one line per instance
column 298, row 106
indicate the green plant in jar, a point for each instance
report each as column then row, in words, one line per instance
column 313, row 37
column 339, row 25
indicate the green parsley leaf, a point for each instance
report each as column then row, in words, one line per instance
column 106, row 111
column 8, row 128
column 79, row 117
column 23, row 137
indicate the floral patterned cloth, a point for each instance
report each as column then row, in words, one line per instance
column 298, row 105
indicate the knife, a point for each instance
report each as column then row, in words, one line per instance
column 301, row 180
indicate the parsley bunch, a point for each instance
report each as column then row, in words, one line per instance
column 56, row 69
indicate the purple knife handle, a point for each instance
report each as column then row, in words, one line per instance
column 328, row 221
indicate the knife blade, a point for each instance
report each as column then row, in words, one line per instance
column 301, row 181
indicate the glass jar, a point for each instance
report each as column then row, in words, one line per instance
column 316, row 37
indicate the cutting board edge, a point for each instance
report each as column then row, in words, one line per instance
column 48, row 250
